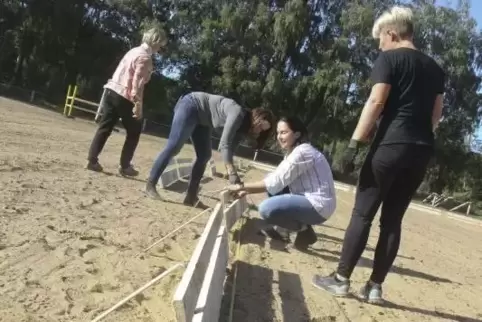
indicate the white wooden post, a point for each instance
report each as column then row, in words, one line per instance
column 99, row 108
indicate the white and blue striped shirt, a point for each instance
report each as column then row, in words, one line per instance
column 306, row 172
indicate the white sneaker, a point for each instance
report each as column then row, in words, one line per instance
column 372, row 293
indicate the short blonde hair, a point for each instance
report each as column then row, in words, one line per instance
column 399, row 19
column 155, row 36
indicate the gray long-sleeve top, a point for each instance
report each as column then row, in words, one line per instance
column 220, row 112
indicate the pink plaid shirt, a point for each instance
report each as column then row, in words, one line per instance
column 132, row 73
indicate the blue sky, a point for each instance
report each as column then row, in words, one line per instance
column 476, row 13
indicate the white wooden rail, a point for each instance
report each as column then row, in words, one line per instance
column 199, row 294
column 180, row 168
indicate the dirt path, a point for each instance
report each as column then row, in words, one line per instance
column 69, row 236
column 436, row 277
column 69, row 239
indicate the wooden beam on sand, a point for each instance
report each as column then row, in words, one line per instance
column 169, row 177
column 188, row 290
column 209, row 301
column 234, row 211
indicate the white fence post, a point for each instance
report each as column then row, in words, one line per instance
column 99, row 109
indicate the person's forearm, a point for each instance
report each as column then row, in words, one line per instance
column 227, row 157
column 435, row 123
column 437, row 112
column 367, row 121
column 254, row 187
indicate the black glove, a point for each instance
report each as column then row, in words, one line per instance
column 234, row 178
column 348, row 159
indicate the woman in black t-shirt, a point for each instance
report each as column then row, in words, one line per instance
column 406, row 98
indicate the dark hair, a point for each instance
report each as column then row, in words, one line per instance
column 265, row 115
column 251, row 117
column 296, row 125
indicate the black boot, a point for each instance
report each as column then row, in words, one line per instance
column 305, row 238
column 194, row 202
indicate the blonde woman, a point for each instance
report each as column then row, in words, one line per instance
column 122, row 99
column 407, row 96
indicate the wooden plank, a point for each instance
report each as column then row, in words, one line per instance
column 189, row 161
column 234, row 211
column 187, row 292
column 262, row 166
column 86, row 102
column 210, row 297
column 171, row 162
column 184, row 167
column 168, row 178
column 212, row 168
column 84, row 109
column 224, row 197
column 184, row 171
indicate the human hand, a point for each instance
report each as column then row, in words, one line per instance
column 234, row 188
column 137, row 111
column 241, row 194
column 348, row 158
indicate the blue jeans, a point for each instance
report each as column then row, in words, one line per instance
column 185, row 124
column 289, row 211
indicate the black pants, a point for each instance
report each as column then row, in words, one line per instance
column 115, row 107
column 390, row 174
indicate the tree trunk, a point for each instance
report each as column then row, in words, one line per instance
column 17, row 75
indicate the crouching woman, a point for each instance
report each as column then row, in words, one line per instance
column 301, row 189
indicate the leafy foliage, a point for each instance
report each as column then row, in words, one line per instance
column 306, row 57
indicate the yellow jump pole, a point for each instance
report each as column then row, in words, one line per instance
column 67, row 100
column 74, row 94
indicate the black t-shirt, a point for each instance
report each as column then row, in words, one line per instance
column 416, row 80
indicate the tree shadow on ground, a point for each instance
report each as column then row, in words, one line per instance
column 433, row 313
column 254, row 291
column 251, row 236
column 340, row 241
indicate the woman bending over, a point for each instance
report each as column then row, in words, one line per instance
column 196, row 116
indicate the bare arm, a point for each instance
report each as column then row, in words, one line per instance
column 371, row 111
column 254, row 187
column 228, row 139
column 437, row 111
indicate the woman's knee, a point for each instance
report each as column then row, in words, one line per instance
column 173, row 147
column 266, row 209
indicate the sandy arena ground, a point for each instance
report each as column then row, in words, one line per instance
column 69, row 239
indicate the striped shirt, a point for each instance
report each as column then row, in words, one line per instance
column 132, row 73
column 306, row 172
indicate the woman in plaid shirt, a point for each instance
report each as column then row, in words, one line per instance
column 301, row 189
column 123, row 99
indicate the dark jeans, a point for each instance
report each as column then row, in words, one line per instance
column 390, row 174
column 185, row 124
column 289, row 211
column 115, row 107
